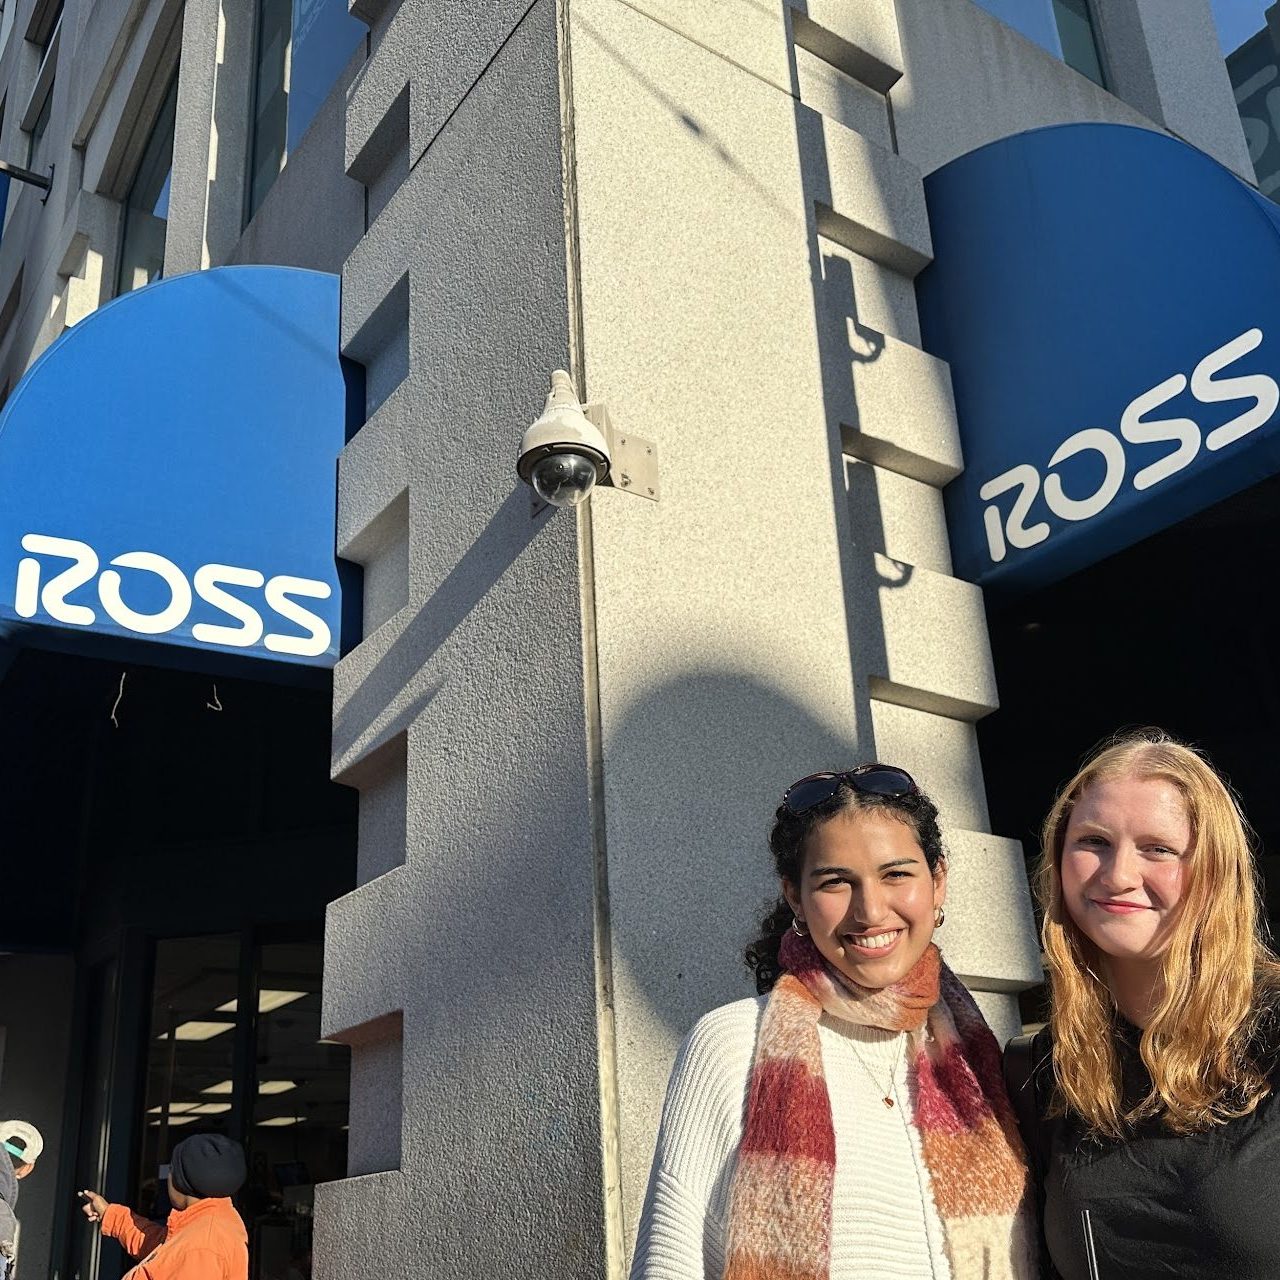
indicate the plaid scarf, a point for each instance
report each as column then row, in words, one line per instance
column 780, row 1202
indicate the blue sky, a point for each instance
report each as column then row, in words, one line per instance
column 1237, row 20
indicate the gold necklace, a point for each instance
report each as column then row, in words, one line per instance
column 887, row 1098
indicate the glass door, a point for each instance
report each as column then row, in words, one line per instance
column 234, row 1047
column 298, row 1131
column 191, row 1050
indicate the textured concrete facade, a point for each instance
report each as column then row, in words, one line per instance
column 463, row 970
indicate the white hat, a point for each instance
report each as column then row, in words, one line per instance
column 22, row 1140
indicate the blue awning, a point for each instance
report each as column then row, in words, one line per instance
column 1108, row 299
column 168, row 473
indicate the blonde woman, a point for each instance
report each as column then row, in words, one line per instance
column 1158, row 1134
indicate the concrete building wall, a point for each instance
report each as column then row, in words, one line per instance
column 36, row 998
column 463, row 969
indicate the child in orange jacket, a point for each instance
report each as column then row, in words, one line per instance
column 204, row 1238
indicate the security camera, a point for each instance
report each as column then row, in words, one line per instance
column 563, row 455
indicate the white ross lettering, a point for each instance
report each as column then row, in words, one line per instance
column 1112, row 451
column 54, row 596
column 1182, row 431
column 208, row 579
column 1260, row 390
column 1257, row 387
column 1027, row 479
column 278, row 593
column 174, row 614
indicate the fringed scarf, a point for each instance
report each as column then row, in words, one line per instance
column 780, row 1203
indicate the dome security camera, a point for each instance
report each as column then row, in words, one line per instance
column 563, row 455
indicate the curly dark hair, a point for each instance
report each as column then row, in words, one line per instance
column 787, row 844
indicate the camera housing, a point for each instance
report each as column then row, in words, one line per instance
column 572, row 448
column 563, row 455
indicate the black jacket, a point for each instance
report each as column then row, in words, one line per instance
column 1160, row 1205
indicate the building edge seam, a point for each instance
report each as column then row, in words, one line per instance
column 606, row 1029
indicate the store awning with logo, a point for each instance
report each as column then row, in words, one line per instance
column 1108, row 300
column 168, row 474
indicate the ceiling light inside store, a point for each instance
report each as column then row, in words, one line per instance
column 173, row 1120
column 268, row 1001
column 264, row 1086
column 175, row 1108
column 279, row 1122
column 212, row 1109
column 197, row 1030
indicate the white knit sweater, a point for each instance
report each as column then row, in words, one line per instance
column 884, row 1221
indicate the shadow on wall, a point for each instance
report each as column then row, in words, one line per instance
column 690, row 880
column 364, row 722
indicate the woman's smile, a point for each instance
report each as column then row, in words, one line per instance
column 1118, row 908
column 874, row 944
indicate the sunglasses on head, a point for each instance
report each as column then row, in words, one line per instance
column 870, row 779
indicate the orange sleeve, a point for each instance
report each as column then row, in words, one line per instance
column 137, row 1234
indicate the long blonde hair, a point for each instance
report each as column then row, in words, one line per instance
column 1216, row 967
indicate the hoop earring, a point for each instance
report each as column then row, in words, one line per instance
column 939, row 917
column 796, row 929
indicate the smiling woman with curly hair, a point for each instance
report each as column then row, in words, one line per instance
column 851, row 1121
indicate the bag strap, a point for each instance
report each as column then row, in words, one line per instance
column 1019, row 1079
column 1025, row 1059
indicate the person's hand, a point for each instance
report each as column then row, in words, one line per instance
column 94, row 1207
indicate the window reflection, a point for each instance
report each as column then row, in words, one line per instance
column 1252, row 49
column 1064, row 27
column 303, row 46
column 146, row 214
column 191, row 1046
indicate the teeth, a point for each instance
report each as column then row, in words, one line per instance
column 878, row 941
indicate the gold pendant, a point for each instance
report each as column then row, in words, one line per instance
column 888, row 1102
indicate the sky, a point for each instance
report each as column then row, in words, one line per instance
column 1237, row 20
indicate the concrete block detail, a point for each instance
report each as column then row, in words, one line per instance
column 989, row 938
column 868, row 300
column 1001, row 1012
column 388, row 138
column 900, row 410
column 363, row 979
column 382, row 779
column 377, row 1098
column 893, row 515
column 869, row 199
column 374, row 460
column 361, row 1218
column 858, row 36
column 830, row 91
column 941, row 754
column 935, row 655
column 426, row 48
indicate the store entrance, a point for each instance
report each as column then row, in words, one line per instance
column 171, row 841
column 1180, row 631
